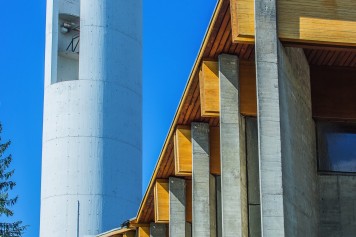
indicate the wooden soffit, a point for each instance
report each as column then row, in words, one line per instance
column 329, row 22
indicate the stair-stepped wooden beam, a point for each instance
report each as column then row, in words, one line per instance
column 183, row 151
column 143, row 232
column 209, row 85
column 161, row 201
column 209, row 89
column 330, row 22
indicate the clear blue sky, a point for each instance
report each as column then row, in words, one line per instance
column 173, row 32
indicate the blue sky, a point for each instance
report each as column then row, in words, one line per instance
column 173, row 32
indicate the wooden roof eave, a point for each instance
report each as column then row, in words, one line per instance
column 194, row 70
column 115, row 232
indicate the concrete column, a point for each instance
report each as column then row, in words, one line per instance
column 212, row 205
column 201, row 180
column 177, row 223
column 158, row 230
column 218, row 207
column 286, row 140
column 233, row 158
column 188, row 229
column 268, row 119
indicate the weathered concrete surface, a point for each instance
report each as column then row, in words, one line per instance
column 212, row 205
column 268, row 113
column 337, row 206
column 286, row 133
column 253, row 182
column 232, row 148
column 177, row 207
column 158, row 230
column 188, row 229
column 218, row 207
column 298, row 144
column 200, row 180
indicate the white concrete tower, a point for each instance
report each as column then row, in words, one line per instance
column 91, row 164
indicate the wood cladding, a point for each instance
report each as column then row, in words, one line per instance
column 333, row 92
column 209, row 89
column 215, row 151
column 161, row 201
column 331, row 22
column 209, row 95
column 247, row 83
column 129, row 234
column 143, row 232
column 183, row 151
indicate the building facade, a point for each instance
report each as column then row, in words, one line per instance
column 263, row 142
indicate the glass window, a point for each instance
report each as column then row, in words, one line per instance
column 336, row 146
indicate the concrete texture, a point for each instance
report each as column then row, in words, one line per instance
column 158, row 230
column 268, row 114
column 337, row 206
column 218, row 207
column 286, row 133
column 232, row 149
column 298, row 144
column 92, row 122
column 253, row 182
column 201, row 180
column 177, row 222
column 212, row 205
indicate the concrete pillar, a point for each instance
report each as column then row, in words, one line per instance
column 158, row 230
column 188, row 229
column 201, row 180
column 177, row 223
column 286, row 137
column 233, row 159
column 212, row 205
column 253, row 180
column 272, row 219
column 218, row 207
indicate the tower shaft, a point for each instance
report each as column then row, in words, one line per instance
column 91, row 164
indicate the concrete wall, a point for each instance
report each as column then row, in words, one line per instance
column 337, row 206
column 298, row 144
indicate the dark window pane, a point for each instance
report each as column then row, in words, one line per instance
column 337, row 146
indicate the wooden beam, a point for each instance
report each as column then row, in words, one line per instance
column 161, row 201
column 333, row 92
column 215, row 150
column 208, row 82
column 209, row 89
column 183, row 151
column 143, row 232
column 129, row 234
column 330, row 22
column 247, row 90
column 242, row 21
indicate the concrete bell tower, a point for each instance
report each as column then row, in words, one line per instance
column 91, row 161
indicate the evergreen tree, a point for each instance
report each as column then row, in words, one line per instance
column 7, row 229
